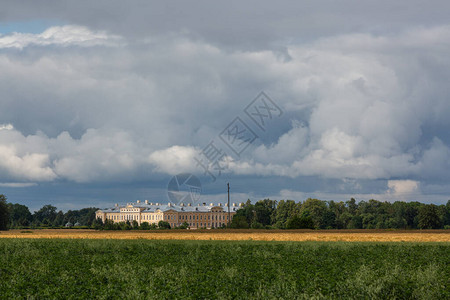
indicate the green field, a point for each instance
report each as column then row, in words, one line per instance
column 145, row 269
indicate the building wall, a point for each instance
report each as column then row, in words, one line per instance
column 216, row 217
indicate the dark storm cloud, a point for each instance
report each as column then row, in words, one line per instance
column 132, row 92
column 249, row 25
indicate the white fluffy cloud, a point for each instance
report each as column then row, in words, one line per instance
column 403, row 189
column 174, row 160
column 69, row 35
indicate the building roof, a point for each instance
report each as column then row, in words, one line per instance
column 153, row 207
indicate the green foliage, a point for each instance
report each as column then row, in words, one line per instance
column 109, row 225
column 124, row 225
column 303, row 222
column 428, row 217
column 284, row 210
column 163, row 225
column 370, row 214
column 294, row 222
column 59, row 219
column 285, row 214
column 264, row 210
column 355, row 222
column 46, row 214
column 145, row 226
column 134, row 224
column 316, row 210
column 19, row 215
column 239, row 221
column 146, row 269
column 97, row 224
column 256, row 225
column 4, row 213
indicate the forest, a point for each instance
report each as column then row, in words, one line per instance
column 264, row 214
column 319, row 214
column 15, row 215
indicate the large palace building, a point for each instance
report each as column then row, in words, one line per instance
column 199, row 216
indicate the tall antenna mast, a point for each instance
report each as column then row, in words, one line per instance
column 229, row 220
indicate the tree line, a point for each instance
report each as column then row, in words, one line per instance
column 267, row 213
column 134, row 225
column 318, row 214
column 15, row 215
column 18, row 216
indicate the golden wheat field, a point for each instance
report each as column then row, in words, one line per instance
column 256, row 235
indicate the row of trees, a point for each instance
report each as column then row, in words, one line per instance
column 14, row 215
column 284, row 214
column 134, row 225
column 318, row 214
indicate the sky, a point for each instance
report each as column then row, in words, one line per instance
column 104, row 102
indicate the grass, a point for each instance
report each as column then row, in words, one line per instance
column 146, row 269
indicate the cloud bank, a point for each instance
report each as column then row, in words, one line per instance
column 88, row 106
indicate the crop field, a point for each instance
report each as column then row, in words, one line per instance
column 174, row 269
column 255, row 235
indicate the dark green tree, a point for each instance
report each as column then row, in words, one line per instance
column 87, row 215
column 446, row 218
column 19, row 215
column 248, row 211
column 343, row 220
column 97, row 224
column 428, row 217
column 256, row 225
column 47, row 212
column 135, row 224
column 59, row 219
column 316, row 209
column 329, row 217
column 239, row 221
column 144, row 226
column 411, row 214
column 284, row 210
column 355, row 222
column 264, row 209
column 4, row 213
column 163, row 224
column 109, row 225
column 352, row 206
column 303, row 222
column 122, row 225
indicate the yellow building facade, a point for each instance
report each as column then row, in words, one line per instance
column 198, row 216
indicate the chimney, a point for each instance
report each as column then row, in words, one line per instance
column 211, row 204
column 138, row 201
column 220, row 204
column 116, row 205
column 146, row 201
column 189, row 204
column 234, row 204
